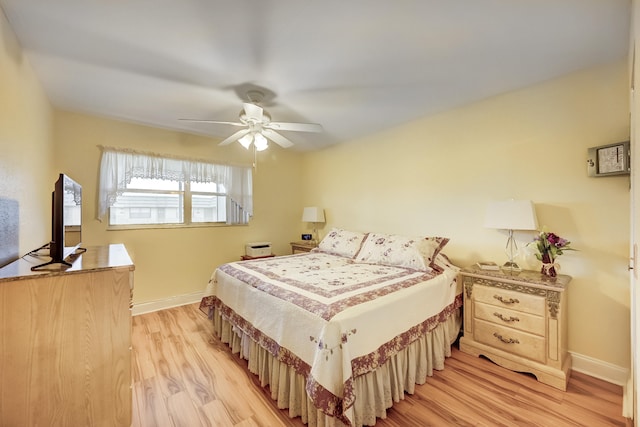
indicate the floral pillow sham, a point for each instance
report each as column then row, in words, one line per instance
column 442, row 262
column 342, row 242
column 418, row 253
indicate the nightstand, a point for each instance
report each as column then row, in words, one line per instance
column 519, row 321
column 303, row 246
column 247, row 257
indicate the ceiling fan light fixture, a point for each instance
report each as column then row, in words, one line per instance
column 258, row 127
column 246, row 140
column 260, row 142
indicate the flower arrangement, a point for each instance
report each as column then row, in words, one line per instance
column 550, row 246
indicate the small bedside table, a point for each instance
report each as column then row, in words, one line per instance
column 519, row 321
column 303, row 246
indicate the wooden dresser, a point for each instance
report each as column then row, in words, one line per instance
column 519, row 321
column 65, row 341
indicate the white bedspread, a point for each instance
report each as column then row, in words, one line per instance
column 330, row 318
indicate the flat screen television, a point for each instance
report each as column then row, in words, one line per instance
column 66, row 221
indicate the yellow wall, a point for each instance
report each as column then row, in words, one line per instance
column 179, row 261
column 429, row 177
column 26, row 173
column 435, row 176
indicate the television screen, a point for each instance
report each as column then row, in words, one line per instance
column 72, row 213
column 66, row 221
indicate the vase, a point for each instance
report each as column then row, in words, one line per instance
column 548, row 266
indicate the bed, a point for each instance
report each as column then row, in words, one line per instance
column 340, row 333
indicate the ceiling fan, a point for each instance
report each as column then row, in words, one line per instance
column 258, row 126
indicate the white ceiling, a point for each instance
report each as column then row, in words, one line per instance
column 354, row 66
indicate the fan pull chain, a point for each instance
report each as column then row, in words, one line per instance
column 255, row 158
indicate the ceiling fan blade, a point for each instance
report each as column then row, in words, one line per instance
column 277, row 138
column 216, row 122
column 253, row 111
column 236, row 136
column 298, row 127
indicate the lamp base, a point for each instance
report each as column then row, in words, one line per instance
column 511, row 266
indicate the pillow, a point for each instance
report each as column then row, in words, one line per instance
column 442, row 262
column 435, row 243
column 342, row 242
column 417, row 253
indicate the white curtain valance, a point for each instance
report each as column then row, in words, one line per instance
column 119, row 166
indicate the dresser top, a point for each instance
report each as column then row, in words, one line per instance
column 96, row 258
column 530, row 277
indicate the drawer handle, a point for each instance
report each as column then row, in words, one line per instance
column 506, row 301
column 506, row 341
column 505, row 319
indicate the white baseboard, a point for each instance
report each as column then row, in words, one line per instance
column 599, row 369
column 178, row 300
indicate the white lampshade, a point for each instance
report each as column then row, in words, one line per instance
column 313, row 214
column 511, row 215
column 246, row 140
column 260, row 142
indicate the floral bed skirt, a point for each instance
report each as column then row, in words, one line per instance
column 375, row 391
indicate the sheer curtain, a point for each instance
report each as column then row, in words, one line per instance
column 118, row 166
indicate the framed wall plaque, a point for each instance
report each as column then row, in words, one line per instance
column 610, row 159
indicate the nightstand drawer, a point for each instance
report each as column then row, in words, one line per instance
column 510, row 340
column 511, row 318
column 509, row 299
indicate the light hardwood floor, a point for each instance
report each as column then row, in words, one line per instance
column 184, row 376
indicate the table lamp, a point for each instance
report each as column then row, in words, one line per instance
column 313, row 215
column 511, row 215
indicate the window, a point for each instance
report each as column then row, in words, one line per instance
column 208, row 202
column 148, row 189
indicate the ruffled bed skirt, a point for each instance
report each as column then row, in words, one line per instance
column 375, row 391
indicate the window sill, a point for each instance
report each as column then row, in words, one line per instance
column 171, row 226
